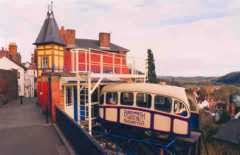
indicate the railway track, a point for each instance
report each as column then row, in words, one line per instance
column 117, row 144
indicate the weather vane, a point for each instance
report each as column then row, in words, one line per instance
column 50, row 7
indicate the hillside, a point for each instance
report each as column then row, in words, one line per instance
column 231, row 78
column 197, row 79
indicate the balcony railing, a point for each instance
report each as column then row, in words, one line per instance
column 104, row 62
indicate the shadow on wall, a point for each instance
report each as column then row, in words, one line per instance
column 8, row 85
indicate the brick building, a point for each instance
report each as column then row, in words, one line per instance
column 59, row 50
column 11, row 53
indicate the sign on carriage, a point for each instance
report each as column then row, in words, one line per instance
column 135, row 118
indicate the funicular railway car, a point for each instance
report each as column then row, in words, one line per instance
column 150, row 107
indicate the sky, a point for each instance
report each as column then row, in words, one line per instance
column 187, row 37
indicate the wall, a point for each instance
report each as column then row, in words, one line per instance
column 29, row 83
column 54, row 55
column 7, row 64
column 42, row 93
column 56, row 96
column 8, row 85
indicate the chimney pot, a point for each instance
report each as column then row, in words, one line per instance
column 12, row 47
column 104, row 40
column 68, row 35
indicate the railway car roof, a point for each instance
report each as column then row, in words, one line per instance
column 165, row 90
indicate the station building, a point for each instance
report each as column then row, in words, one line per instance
column 71, row 73
column 72, row 61
column 58, row 50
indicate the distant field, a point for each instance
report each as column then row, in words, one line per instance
column 228, row 79
column 188, row 80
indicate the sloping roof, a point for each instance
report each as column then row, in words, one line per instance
column 49, row 32
column 229, row 132
column 7, row 59
column 94, row 44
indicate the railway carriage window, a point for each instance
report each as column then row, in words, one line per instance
column 143, row 100
column 126, row 98
column 112, row 98
column 163, row 103
column 180, row 108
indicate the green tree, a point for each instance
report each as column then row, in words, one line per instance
column 151, row 74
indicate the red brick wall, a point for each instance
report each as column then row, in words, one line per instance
column 56, row 96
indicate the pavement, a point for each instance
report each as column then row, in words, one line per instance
column 23, row 131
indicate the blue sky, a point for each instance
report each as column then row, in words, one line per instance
column 188, row 37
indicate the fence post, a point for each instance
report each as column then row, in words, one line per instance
column 89, row 104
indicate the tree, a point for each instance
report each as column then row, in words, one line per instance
column 151, row 73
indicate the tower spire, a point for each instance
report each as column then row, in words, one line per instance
column 50, row 8
column 49, row 32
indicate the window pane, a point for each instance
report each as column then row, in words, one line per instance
column 45, row 62
column 127, row 98
column 144, row 100
column 112, row 98
column 163, row 103
column 69, row 97
column 179, row 108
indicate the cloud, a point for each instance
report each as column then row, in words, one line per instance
column 187, row 37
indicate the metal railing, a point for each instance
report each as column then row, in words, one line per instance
column 102, row 62
column 79, row 139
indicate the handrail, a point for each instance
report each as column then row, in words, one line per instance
column 104, row 62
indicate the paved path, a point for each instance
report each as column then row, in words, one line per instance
column 23, row 131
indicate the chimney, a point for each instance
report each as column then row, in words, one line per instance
column 62, row 32
column 12, row 47
column 104, row 40
column 68, row 35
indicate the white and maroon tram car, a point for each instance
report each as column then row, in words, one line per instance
column 154, row 107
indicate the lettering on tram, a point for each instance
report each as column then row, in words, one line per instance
column 136, row 118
